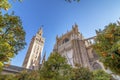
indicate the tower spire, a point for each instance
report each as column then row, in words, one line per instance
column 40, row 31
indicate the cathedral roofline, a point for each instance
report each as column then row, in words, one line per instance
column 73, row 31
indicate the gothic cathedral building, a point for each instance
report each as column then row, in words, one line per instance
column 77, row 50
column 33, row 56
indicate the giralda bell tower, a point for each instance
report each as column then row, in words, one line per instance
column 33, row 56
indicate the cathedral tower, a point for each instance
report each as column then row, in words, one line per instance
column 33, row 56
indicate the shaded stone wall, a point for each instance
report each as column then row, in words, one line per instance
column 80, row 53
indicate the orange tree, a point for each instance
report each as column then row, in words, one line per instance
column 107, row 45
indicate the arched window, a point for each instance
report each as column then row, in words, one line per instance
column 65, row 40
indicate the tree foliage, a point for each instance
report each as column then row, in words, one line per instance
column 5, row 4
column 55, row 68
column 27, row 75
column 107, row 45
column 81, row 73
column 8, row 77
column 100, row 75
column 12, row 34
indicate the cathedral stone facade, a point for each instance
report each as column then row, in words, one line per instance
column 33, row 56
column 76, row 49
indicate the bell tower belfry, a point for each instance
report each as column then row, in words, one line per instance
column 33, row 56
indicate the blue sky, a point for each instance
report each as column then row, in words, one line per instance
column 58, row 16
